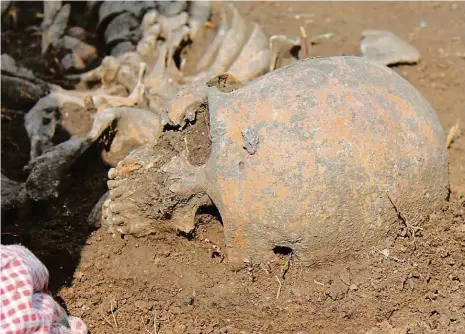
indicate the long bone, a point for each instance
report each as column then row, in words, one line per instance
column 199, row 11
column 54, row 23
column 46, row 178
column 137, row 96
column 231, row 51
column 166, row 24
column 212, row 49
column 40, row 132
column 228, row 50
column 254, row 57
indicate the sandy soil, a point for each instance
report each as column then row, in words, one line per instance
column 174, row 284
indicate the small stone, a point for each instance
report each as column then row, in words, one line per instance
column 165, row 253
column 386, row 48
column 190, row 301
column 385, row 252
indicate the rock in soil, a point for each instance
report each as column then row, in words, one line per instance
column 386, row 48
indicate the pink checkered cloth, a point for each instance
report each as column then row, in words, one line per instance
column 25, row 307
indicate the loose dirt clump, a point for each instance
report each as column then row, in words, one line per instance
column 186, row 286
column 167, row 283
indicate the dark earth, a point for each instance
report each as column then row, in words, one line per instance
column 170, row 283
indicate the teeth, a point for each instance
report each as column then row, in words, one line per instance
column 112, row 173
column 118, row 207
column 117, row 192
column 112, row 184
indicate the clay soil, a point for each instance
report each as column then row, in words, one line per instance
column 170, row 283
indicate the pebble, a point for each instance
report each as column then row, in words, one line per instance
column 384, row 47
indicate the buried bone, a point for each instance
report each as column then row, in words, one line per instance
column 276, row 195
column 171, row 8
column 160, row 92
column 123, row 214
column 254, row 58
column 111, row 9
column 199, row 13
column 111, row 72
column 122, row 28
column 231, row 45
column 53, row 29
column 14, row 87
column 209, row 55
column 136, row 127
column 41, row 121
column 164, row 25
column 54, row 24
column 48, row 171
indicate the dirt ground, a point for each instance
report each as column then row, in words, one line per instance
column 169, row 283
